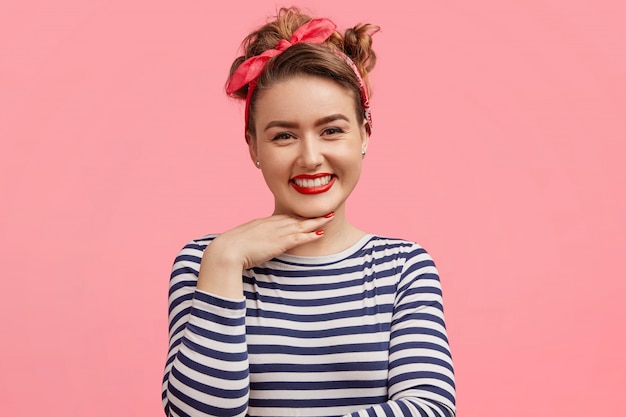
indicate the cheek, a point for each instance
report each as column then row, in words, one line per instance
column 273, row 159
column 349, row 154
column 274, row 168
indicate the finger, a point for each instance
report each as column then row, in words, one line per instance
column 294, row 226
column 318, row 221
column 296, row 239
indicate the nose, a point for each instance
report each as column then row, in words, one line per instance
column 310, row 153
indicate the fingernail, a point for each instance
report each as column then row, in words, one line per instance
column 329, row 215
column 319, row 232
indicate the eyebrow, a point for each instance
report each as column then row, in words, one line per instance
column 319, row 122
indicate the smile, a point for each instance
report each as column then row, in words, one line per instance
column 312, row 184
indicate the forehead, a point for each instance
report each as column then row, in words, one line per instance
column 303, row 97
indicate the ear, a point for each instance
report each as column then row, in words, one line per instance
column 365, row 137
column 252, row 148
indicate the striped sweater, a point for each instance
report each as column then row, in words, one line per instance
column 358, row 333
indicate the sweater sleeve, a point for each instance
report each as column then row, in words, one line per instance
column 421, row 375
column 206, row 372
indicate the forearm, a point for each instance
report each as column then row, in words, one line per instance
column 206, row 372
column 421, row 374
column 220, row 272
column 208, row 375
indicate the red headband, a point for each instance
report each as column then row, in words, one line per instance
column 314, row 31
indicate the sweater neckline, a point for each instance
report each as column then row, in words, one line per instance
column 326, row 259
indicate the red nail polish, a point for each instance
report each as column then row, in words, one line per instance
column 329, row 215
column 319, row 232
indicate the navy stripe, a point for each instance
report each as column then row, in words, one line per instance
column 421, row 331
column 218, row 337
column 370, row 412
column 294, row 286
column 214, row 353
column 209, row 389
column 314, row 385
column 318, row 402
column 175, row 410
column 422, row 316
column 219, row 302
column 217, row 319
column 421, row 375
column 317, row 368
column 425, row 278
column 423, row 359
column 225, row 375
column 313, row 318
column 319, row 350
column 319, row 334
column 188, row 258
column 404, row 408
column 418, row 345
column 322, row 272
column 183, row 284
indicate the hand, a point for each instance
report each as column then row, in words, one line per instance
column 260, row 240
column 251, row 244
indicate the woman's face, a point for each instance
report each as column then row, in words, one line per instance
column 309, row 143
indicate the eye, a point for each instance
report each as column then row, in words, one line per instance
column 332, row 131
column 283, row 136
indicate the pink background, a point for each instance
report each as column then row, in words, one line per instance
column 499, row 144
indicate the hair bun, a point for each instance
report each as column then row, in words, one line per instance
column 357, row 44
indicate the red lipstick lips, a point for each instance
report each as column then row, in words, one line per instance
column 307, row 184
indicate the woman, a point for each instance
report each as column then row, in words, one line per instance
column 301, row 313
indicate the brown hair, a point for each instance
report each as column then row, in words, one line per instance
column 308, row 59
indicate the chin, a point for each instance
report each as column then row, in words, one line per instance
column 309, row 212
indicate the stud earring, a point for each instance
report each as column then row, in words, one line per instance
column 258, row 164
column 363, row 154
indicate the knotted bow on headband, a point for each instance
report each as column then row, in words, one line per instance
column 314, row 31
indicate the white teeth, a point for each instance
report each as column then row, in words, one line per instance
column 317, row 182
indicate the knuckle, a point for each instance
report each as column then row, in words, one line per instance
column 296, row 239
